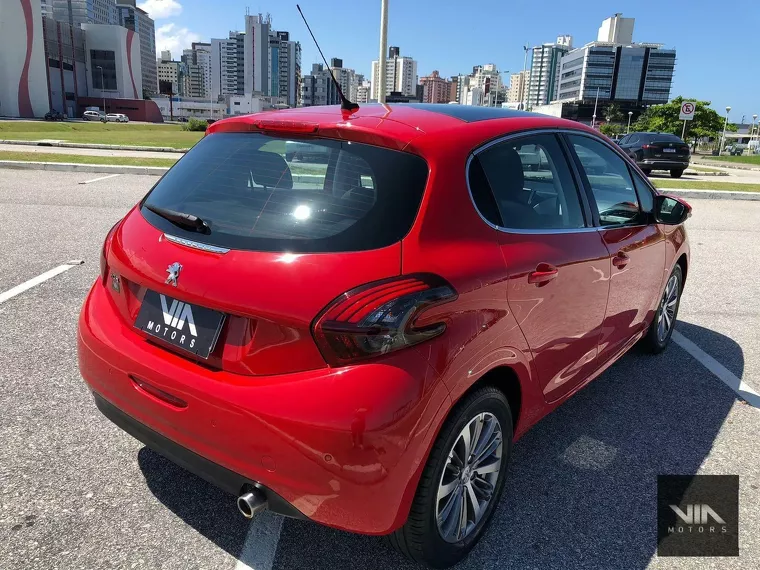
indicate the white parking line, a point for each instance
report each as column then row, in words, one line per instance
column 728, row 378
column 101, row 178
column 18, row 289
column 260, row 544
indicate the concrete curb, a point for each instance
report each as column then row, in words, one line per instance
column 692, row 172
column 96, row 146
column 734, row 165
column 71, row 167
column 711, row 194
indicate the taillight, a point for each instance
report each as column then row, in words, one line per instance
column 104, row 252
column 647, row 146
column 380, row 317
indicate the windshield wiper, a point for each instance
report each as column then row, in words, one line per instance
column 186, row 221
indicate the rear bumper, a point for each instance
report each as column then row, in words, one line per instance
column 212, row 472
column 343, row 447
column 663, row 164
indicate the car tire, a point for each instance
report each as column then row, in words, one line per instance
column 421, row 538
column 646, row 171
column 661, row 329
column 676, row 173
column 289, row 156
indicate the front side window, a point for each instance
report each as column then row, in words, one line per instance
column 609, row 180
column 531, row 184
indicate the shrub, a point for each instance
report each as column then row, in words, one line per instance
column 194, row 124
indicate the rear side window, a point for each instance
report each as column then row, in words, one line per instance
column 531, row 183
column 264, row 193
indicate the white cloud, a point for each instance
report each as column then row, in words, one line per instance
column 158, row 9
column 170, row 37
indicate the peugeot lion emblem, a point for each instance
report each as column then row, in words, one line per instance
column 173, row 271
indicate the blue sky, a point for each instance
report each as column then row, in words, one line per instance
column 717, row 60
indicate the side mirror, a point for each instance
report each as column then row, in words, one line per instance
column 671, row 211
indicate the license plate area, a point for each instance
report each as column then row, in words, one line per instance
column 191, row 328
column 668, row 150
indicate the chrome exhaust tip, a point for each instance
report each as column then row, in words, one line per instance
column 251, row 502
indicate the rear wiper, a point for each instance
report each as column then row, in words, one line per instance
column 186, row 221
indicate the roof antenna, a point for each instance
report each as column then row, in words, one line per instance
column 345, row 104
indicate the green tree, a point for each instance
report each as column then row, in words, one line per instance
column 610, row 129
column 613, row 114
column 664, row 119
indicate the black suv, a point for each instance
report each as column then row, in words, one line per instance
column 657, row 151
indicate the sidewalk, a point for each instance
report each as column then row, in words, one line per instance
column 86, row 151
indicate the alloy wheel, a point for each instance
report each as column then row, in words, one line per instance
column 468, row 481
column 667, row 316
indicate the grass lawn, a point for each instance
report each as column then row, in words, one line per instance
column 100, row 133
column 753, row 159
column 703, row 185
column 81, row 159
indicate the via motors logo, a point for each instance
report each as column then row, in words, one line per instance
column 697, row 519
column 176, row 315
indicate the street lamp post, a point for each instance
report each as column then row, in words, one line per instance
column 102, row 87
column 723, row 139
column 630, row 114
column 751, row 132
column 593, row 117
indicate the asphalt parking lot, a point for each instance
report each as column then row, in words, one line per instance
column 76, row 492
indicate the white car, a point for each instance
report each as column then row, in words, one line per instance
column 94, row 116
column 117, row 117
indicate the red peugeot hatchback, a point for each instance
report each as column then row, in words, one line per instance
column 351, row 316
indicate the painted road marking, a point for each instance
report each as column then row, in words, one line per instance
column 260, row 544
column 18, row 289
column 101, row 178
column 728, row 378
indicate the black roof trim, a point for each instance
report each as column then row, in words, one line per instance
column 469, row 113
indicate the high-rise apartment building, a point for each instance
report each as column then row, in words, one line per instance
column 631, row 73
column 78, row 12
column 256, row 59
column 172, row 76
column 400, row 74
column 435, row 89
column 544, row 71
column 284, row 68
column 227, row 66
column 517, row 83
column 347, row 78
column 318, row 88
column 616, row 30
column 133, row 18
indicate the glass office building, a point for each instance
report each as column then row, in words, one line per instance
column 77, row 12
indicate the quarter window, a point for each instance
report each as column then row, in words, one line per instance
column 609, row 180
column 530, row 183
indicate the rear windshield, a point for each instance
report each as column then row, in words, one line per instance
column 265, row 193
column 664, row 137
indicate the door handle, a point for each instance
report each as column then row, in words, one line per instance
column 620, row 260
column 544, row 273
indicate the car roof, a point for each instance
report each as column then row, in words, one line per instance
column 395, row 125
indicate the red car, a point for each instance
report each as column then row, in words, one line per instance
column 359, row 340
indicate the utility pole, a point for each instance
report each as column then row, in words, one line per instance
column 383, row 49
column 723, row 138
column 524, row 99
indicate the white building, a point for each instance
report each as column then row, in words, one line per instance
column 23, row 82
column 227, row 66
column 247, row 104
column 190, row 107
column 363, row 92
column 133, row 18
column 170, row 71
column 400, row 74
column 113, row 62
column 616, row 30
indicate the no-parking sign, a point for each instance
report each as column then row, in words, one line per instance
column 687, row 110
